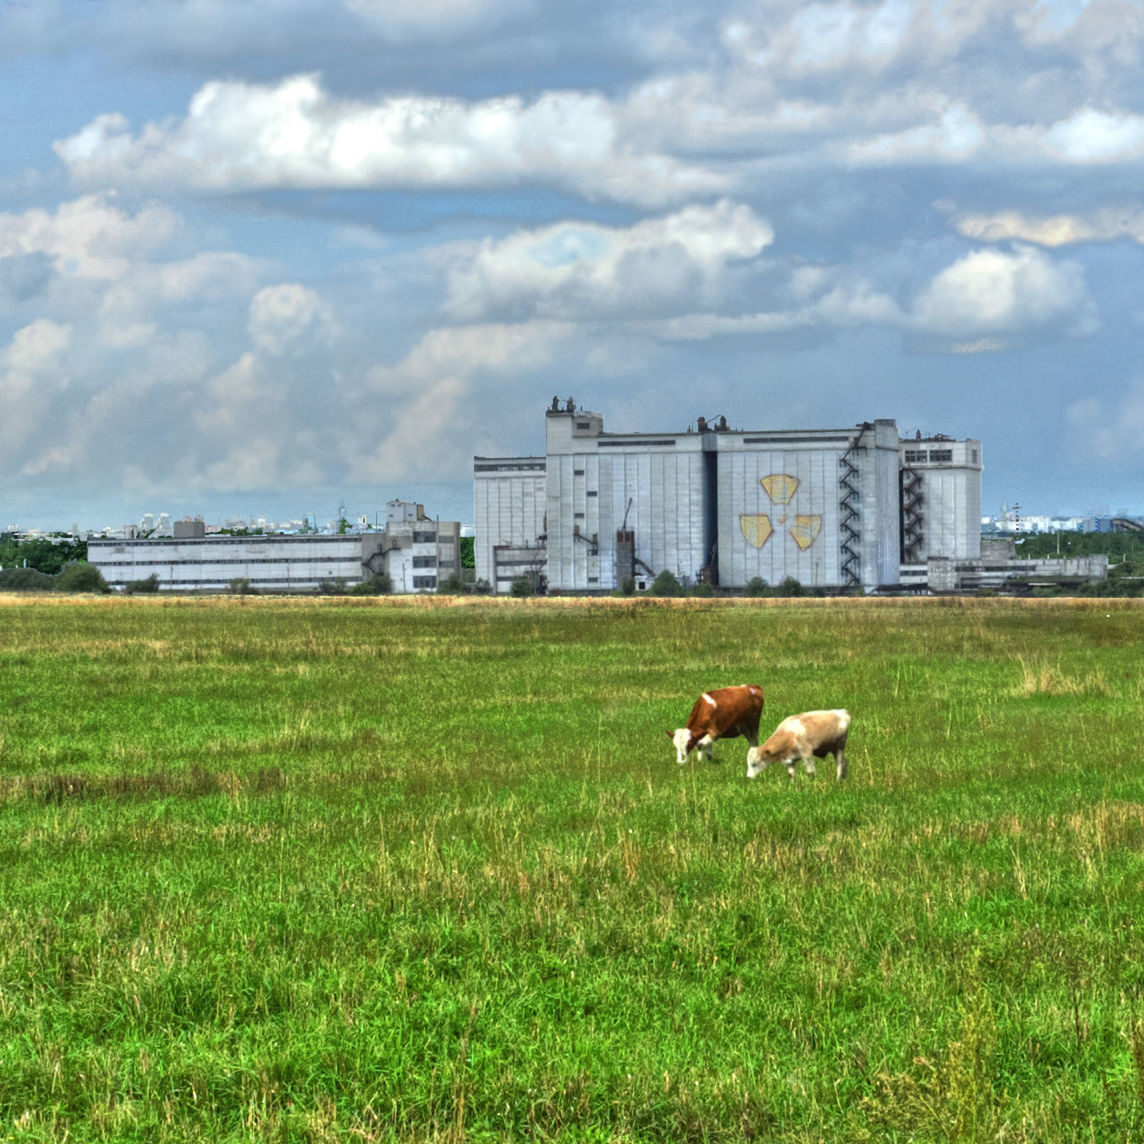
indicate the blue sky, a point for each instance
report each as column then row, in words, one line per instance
column 261, row 259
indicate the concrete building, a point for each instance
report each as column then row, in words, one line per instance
column 210, row 564
column 724, row 505
column 418, row 553
column 941, row 499
column 509, row 526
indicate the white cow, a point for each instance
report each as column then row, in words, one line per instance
column 805, row 736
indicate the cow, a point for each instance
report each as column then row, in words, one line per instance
column 725, row 713
column 813, row 733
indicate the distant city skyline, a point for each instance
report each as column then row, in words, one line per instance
column 259, row 259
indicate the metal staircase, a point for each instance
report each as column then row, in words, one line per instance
column 850, row 522
column 913, row 517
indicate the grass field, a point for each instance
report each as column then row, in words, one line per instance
column 401, row 871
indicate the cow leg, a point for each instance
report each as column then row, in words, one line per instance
column 808, row 764
column 840, row 763
column 705, row 748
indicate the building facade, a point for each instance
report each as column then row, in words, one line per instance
column 510, row 501
column 418, row 553
column 210, row 564
column 726, row 506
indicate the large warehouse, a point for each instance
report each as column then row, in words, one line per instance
column 832, row 508
column 417, row 552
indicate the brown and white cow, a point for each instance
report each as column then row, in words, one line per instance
column 725, row 713
column 805, row 736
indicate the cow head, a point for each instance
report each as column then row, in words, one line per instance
column 684, row 742
column 759, row 758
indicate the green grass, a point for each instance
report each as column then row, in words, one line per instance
column 378, row 870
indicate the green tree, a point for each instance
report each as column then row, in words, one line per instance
column 379, row 584
column 25, row 580
column 666, row 584
column 522, row 587
column 468, row 552
column 148, row 584
column 78, row 577
column 790, row 587
column 46, row 555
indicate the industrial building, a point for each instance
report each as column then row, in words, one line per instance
column 417, row 552
column 832, row 508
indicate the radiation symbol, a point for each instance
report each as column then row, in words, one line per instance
column 758, row 528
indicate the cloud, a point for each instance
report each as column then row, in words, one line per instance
column 1110, row 428
column 88, row 237
column 1104, row 225
column 576, row 270
column 434, row 396
column 34, row 376
column 285, row 317
column 993, row 292
column 1092, row 136
column 38, row 348
column 244, row 137
column 955, row 134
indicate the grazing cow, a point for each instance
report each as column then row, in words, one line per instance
column 813, row 733
column 725, row 713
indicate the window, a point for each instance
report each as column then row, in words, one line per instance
column 577, row 472
column 592, row 493
column 973, row 456
column 424, row 561
column 583, row 424
column 424, row 581
column 915, row 456
column 941, row 455
column 424, row 537
column 578, row 516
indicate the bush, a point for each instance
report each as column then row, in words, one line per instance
column 666, row 584
column 702, row 590
column 150, row 584
column 522, row 587
column 379, row 584
column 80, row 578
column 482, row 588
column 25, row 580
column 240, row 586
column 628, row 586
column 756, row 586
column 790, row 587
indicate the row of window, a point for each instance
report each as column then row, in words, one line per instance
column 921, row 457
column 246, row 560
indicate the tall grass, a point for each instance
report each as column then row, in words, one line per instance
column 381, row 870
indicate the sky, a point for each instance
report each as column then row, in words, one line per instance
column 274, row 257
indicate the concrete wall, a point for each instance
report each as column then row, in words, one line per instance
column 270, row 563
column 509, row 496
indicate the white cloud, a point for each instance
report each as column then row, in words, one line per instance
column 825, row 35
column 88, row 237
column 578, row 269
column 1104, row 225
column 284, row 317
column 37, row 349
column 32, row 380
column 240, row 137
column 1092, row 136
column 989, row 292
column 430, row 396
column 955, row 134
column 1112, row 429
